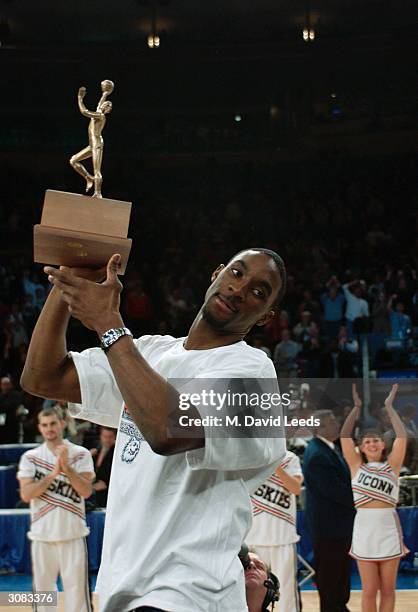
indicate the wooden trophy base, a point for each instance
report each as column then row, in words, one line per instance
column 81, row 231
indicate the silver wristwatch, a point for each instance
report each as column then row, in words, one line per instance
column 112, row 335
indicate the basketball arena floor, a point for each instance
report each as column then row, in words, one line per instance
column 406, row 594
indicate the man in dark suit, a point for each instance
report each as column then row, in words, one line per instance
column 102, row 459
column 329, row 513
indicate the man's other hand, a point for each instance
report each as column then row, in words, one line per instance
column 95, row 305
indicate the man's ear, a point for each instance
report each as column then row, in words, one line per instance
column 216, row 272
column 266, row 318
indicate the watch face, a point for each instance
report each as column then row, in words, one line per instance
column 111, row 336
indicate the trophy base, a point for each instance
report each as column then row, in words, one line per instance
column 82, row 232
column 64, row 247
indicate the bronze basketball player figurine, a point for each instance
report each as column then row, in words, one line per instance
column 95, row 146
column 77, row 230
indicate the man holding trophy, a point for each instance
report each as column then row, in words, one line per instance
column 178, row 507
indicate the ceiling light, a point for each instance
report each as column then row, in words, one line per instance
column 308, row 34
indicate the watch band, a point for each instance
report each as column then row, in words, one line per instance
column 112, row 335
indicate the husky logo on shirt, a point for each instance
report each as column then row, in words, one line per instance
column 274, row 498
column 278, row 496
column 60, row 487
column 133, row 445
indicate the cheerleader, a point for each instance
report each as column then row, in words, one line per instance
column 377, row 542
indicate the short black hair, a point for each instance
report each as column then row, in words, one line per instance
column 280, row 268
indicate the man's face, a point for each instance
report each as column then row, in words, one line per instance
column 255, row 576
column 243, row 293
column 51, row 428
column 6, row 384
column 107, row 438
column 284, row 315
column 285, row 335
column 329, row 428
column 306, row 318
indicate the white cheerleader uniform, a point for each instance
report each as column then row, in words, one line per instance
column 273, row 533
column 377, row 532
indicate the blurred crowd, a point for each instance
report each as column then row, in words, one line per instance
column 346, row 229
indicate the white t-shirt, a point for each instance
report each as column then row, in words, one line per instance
column 58, row 514
column 175, row 524
column 274, row 508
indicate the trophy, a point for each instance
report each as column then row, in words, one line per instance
column 78, row 230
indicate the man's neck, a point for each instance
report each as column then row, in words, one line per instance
column 202, row 336
column 52, row 445
column 327, row 441
column 253, row 601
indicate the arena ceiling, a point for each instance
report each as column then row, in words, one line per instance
column 222, row 53
column 78, row 22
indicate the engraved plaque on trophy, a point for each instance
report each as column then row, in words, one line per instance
column 85, row 231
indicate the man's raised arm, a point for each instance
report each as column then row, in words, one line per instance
column 48, row 371
column 153, row 402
